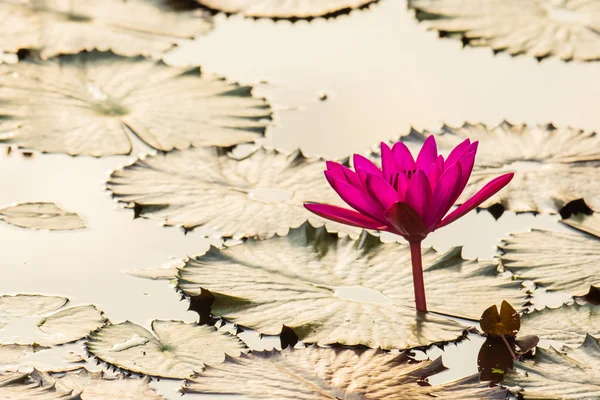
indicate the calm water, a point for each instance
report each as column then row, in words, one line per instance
column 382, row 73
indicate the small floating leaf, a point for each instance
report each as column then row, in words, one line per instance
column 568, row 262
column 283, row 8
column 86, row 103
column 565, row 29
column 172, row 350
column 41, row 216
column 128, row 27
column 568, row 325
column 258, row 195
column 568, row 374
column 53, row 324
column 553, row 166
column 332, row 289
column 19, row 386
column 332, row 373
column 166, row 273
column 507, row 322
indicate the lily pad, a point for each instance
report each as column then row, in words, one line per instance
column 568, row 325
column 127, row 27
column 553, row 166
column 172, row 350
column 45, row 321
column 332, row 373
column 18, row 386
column 540, row 28
column 586, row 223
column 41, row 216
column 567, row 262
column 100, row 386
column 260, row 194
column 568, row 374
column 165, row 273
column 86, row 103
column 332, row 289
column 283, row 8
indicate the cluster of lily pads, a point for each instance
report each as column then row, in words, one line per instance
column 90, row 83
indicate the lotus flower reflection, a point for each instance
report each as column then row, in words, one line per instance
column 406, row 197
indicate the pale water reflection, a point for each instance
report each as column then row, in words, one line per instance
column 387, row 73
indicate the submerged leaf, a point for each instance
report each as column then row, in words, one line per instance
column 18, row 386
column 127, row 27
column 568, row 262
column 172, row 350
column 552, row 166
column 41, row 216
column 568, row 325
column 568, row 374
column 565, row 29
column 53, row 324
column 86, row 103
column 332, row 289
column 283, row 8
column 507, row 322
column 258, row 195
column 332, row 373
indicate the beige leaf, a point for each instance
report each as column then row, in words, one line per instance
column 42, row 320
column 85, row 104
column 18, row 386
column 568, row 374
column 284, row 8
column 166, row 273
column 331, row 373
column 568, row 325
column 585, row 223
column 540, row 28
column 173, row 350
column 338, row 290
column 258, row 195
column 568, row 262
column 127, row 27
column 552, row 166
column 41, row 216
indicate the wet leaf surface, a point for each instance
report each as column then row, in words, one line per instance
column 494, row 359
column 41, row 216
column 506, row 322
column 328, row 373
column 553, row 166
column 47, row 321
column 172, row 350
column 128, row 27
column 283, row 8
column 86, row 103
column 18, row 386
column 339, row 290
column 165, row 273
column 258, row 195
column 568, row 374
column 565, row 29
column 567, row 325
column 568, row 262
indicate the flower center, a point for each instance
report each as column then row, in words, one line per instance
column 362, row 294
column 409, row 173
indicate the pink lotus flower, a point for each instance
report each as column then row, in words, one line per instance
column 406, row 197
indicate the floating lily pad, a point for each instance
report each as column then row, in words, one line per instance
column 127, row 27
column 258, row 195
column 586, row 223
column 86, row 103
column 100, row 386
column 568, row 325
column 166, row 273
column 41, row 216
column 568, row 374
column 173, row 350
column 553, row 166
column 46, row 322
column 284, row 8
column 540, row 28
column 568, row 262
column 19, row 386
column 332, row 289
column 14, row 357
column 332, row 373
